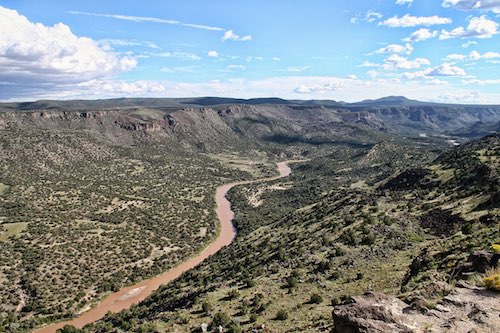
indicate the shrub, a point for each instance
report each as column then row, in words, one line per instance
column 233, row 294
column 467, row 229
column 369, row 239
column 291, row 282
column 492, row 279
column 68, row 329
column 221, row 319
column 250, row 283
column 234, row 329
column 207, row 308
column 324, row 266
column 281, row 315
column 316, row 299
column 496, row 248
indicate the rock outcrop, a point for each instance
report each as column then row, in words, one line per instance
column 466, row 309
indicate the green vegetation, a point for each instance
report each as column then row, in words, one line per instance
column 107, row 198
column 302, row 246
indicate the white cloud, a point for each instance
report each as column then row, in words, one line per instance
column 484, row 5
column 481, row 82
column 421, row 35
column 256, row 58
column 183, row 69
column 395, row 48
column 236, row 67
column 372, row 16
column 455, row 57
column 464, row 96
column 121, row 88
column 297, row 69
column 479, row 27
column 468, row 43
column 149, row 19
column 109, row 43
column 178, row 55
column 488, row 55
column 373, row 73
column 33, row 53
column 444, row 69
column 437, row 82
column 368, row 64
column 395, row 62
column 404, row 2
column 473, row 55
column 276, row 59
column 230, row 35
column 213, row 54
column 413, row 21
column 315, row 89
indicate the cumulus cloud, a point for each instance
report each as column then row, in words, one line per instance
column 328, row 87
column 213, row 54
column 413, row 21
column 421, row 35
column 368, row 64
column 468, row 43
column 445, row 69
column 487, row 55
column 455, row 57
column 479, row 27
column 370, row 16
column 473, row 55
column 32, row 53
column 395, row 48
column 404, row 2
column 395, row 62
column 230, row 35
column 468, row 5
column 437, row 82
column 120, row 88
column 460, row 97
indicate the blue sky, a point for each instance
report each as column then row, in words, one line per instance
column 439, row 50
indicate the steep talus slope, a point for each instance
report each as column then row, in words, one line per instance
column 233, row 126
column 289, row 265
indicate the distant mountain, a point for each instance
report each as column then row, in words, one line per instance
column 390, row 101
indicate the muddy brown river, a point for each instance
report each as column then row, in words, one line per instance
column 128, row 296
